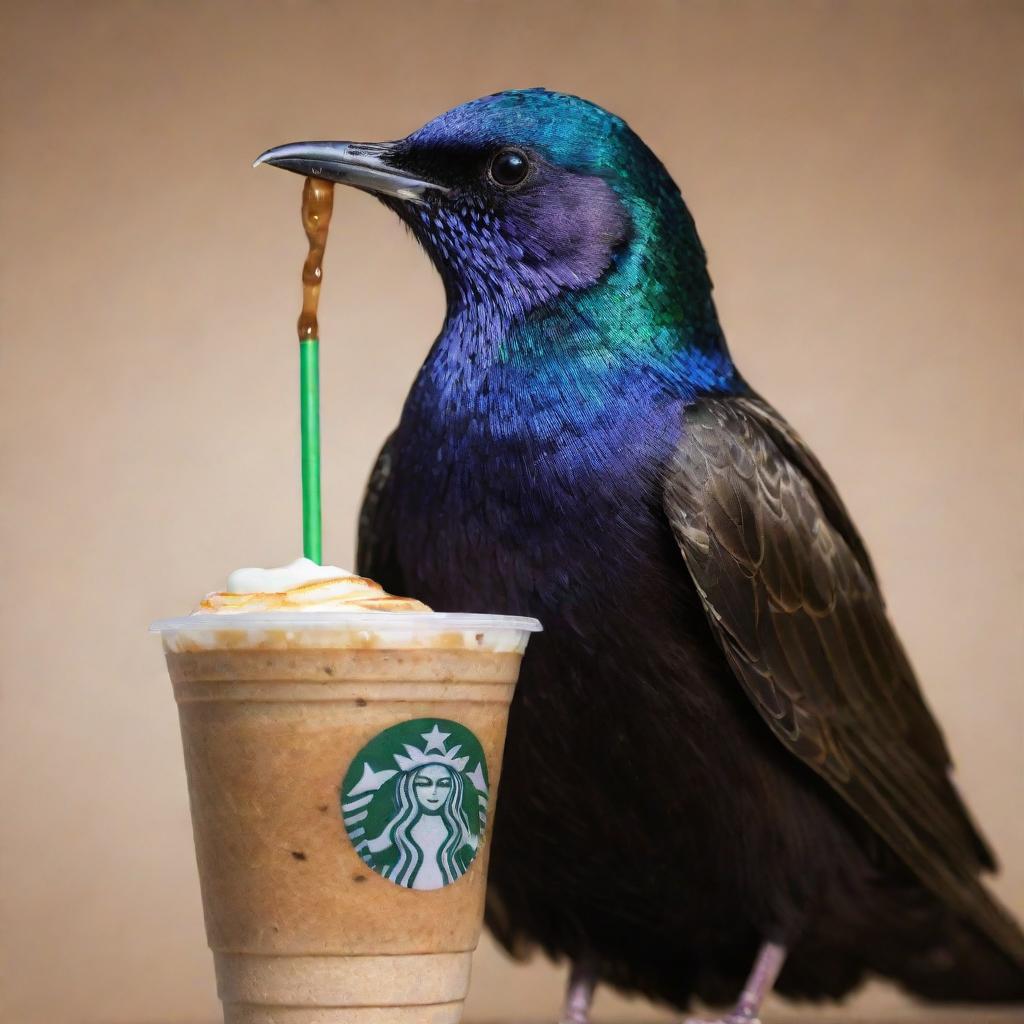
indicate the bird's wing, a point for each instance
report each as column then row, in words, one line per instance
column 375, row 556
column 792, row 599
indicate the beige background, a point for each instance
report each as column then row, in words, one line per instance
column 854, row 169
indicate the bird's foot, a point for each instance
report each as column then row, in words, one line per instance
column 580, row 994
column 770, row 959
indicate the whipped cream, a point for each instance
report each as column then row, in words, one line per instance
column 303, row 586
column 305, row 606
column 276, row 581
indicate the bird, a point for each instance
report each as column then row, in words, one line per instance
column 721, row 775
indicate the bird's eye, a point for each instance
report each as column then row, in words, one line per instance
column 509, row 168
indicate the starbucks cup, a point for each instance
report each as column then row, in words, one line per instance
column 342, row 772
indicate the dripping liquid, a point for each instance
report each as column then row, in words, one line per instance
column 317, row 203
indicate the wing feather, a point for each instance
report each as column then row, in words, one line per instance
column 794, row 602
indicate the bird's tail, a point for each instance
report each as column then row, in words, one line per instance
column 963, row 965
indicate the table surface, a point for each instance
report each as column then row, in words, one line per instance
column 971, row 1015
column 926, row 1015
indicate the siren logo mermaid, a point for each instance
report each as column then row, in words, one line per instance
column 414, row 802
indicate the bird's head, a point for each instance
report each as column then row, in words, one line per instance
column 520, row 197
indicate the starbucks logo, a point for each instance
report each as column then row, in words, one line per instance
column 414, row 802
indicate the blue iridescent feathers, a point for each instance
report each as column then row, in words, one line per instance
column 589, row 277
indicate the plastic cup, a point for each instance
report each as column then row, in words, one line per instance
column 342, row 771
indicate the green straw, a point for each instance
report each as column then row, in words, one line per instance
column 309, row 401
column 317, row 201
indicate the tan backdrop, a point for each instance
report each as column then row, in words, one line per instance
column 854, row 170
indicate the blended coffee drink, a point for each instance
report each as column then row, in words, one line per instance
column 343, row 749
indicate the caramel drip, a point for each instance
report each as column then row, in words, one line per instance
column 317, row 203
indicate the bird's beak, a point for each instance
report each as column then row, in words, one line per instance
column 363, row 165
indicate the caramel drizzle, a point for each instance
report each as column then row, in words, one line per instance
column 317, row 203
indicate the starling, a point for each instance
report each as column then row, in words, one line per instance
column 721, row 774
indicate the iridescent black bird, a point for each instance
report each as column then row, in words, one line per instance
column 718, row 755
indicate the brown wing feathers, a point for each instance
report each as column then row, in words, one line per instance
column 791, row 595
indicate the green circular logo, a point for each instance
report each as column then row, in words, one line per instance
column 414, row 802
